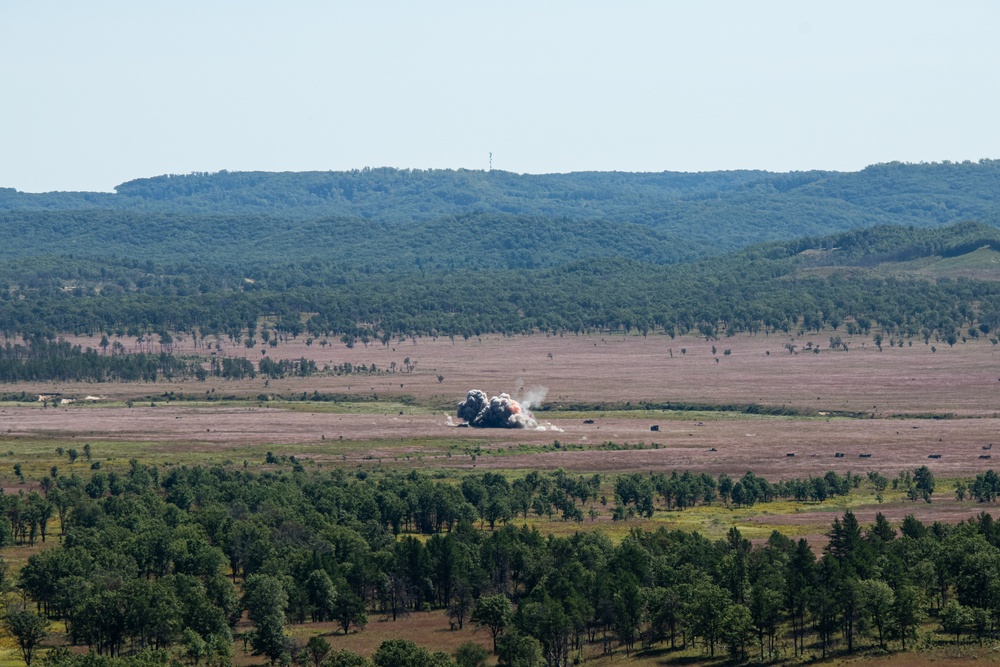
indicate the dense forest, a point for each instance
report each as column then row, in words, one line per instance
column 376, row 254
column 377, row 218
column 152, row 560
column 896, row 193
column 837, row 282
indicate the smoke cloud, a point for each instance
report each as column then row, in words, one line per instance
column 501, row 411
column 498, row 412
column 531, row 396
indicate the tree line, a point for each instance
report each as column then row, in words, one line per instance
column 706, row 211
column 763, row 290
column 43, row 359
column 168, row 560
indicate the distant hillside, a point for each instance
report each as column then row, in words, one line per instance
column 252, row 242
column 889, row 243
column 890, row 279
column 379, row 253
column 965, row 250
column 319, row 214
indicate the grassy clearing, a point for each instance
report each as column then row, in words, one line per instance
column 38, row 456
column 365, row 407
column 714, row 521
column 792, row 518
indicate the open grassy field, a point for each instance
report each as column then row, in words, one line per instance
column 906, row 404
column 617, row 369
column 897, row 406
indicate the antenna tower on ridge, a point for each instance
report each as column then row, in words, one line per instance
column 491, row 160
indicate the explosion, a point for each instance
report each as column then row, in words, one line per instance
column 501, row 411
column 498, row 412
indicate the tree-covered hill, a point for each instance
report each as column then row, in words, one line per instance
column 384, row 252
column 307, row 214
column 475, row 240
column 779, row 285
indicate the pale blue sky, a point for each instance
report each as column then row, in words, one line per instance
column 95, row 93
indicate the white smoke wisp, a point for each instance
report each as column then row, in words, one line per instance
column 532, row 397
column 497, row 412
column 549, row 427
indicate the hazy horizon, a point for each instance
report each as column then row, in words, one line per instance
column 456, row 169
column 101, row 93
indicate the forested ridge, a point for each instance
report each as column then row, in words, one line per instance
column 153, row 559
column 764, row 288
column 251, row 242
column 379, row 253
column 214, row 254
column 698, row 214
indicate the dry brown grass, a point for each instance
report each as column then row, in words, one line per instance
column 615, row 368
column 181, row 432
column 429, row 629
column 962, row 380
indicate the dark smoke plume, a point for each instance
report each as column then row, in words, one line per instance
column 498, row 412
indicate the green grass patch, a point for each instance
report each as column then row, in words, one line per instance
column 715, row 520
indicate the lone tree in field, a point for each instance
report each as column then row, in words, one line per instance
column 519, row 650
column 923, row 480
column 28, row 629
column 349, row 609
column 471, row 654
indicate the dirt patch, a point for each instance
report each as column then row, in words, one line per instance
column 613, row 368
column 723, row 445
column 764, row 445
column 431, row 630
